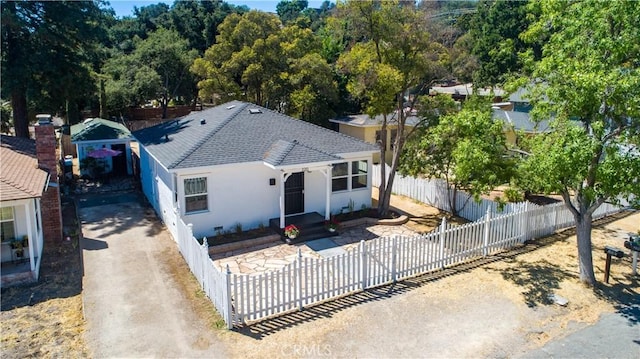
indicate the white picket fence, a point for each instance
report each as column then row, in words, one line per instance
column 215, row 284
column 242, row 298
column 434, row 193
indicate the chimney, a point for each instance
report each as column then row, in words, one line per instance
column 47, row 160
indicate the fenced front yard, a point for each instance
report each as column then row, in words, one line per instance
column 242, row 298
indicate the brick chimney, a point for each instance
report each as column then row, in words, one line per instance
column 47, row 160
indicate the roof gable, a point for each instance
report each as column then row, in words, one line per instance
column 231, row 133
column 98, row 129
column 20, row 176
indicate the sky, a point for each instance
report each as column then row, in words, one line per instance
column 125, row 8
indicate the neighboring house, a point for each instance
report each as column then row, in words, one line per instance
column 462, row 91
column 28, row 189
column 364, row 128
column 242, row 164
column 519, row 123
column 96, row 133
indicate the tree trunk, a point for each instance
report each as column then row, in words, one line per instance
column 103, row 99
column 585, row 258
column 20, row 118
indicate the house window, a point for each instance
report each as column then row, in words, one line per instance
column 195, row 194
column 7, row 225
column 359, row 174
column 340, row 177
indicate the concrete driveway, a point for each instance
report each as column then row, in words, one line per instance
column 132, row 303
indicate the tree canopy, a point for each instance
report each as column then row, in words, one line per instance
column 588, row 81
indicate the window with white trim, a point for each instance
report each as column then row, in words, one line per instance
column 7, row 224
column 359, row 171
column 195, row 194
column 348, row 176
column 340, row 177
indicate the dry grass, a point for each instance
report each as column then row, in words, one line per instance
column 44, row 319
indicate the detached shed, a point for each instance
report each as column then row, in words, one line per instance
column 96, row 133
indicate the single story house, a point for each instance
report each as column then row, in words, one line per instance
column 239, row 164
column 516, row 123
column 28, row 189
column 368, row 129
column 95, row 133
column 462, row 91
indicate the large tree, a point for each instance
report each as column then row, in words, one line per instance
column 495, row 31
column 255, row 58
column 393, row 57
column 158, row 69
column 47, row 48
column 466, row 149
column 588, row 80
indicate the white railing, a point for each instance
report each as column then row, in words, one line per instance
column 242, row 298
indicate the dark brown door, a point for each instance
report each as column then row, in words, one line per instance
column 119, row 161
column 294, row 194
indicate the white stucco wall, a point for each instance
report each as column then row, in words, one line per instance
column 238, row 193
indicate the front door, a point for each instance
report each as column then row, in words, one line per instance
column 294, row 194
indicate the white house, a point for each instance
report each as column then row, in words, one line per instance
column 239, row 163
column 28, row 189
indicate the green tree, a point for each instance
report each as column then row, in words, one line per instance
column 394, row 57
column 495, row 29
column 158, row 68
column 47, row 48
column 290, row 10
column 258, row 60
column 588, row 80
column 465, row 149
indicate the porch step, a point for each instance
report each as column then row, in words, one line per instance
column 309, row 234
column 311, row 226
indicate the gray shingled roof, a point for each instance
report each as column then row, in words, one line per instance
column 521, row 121
column 364, row 120
column 229, row 133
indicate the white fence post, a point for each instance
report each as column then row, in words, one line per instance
column 487, row 227
column 299, row 279
column 228, row 300
column 525, row 222
column 443, row 227
column 394, row 258
column 363, row 262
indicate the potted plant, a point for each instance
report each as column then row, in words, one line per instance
column 291, row 231
column 332, row 224
column 18, row 247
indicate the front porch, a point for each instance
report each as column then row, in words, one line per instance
column 17, row 272
column 311, row 226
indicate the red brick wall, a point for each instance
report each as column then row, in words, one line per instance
column 50, row 204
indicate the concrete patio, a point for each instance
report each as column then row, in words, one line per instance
column 271, row 256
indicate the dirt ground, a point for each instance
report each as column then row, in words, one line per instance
column 44, row 319
column 495, row 307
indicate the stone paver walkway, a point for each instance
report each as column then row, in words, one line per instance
column 269, row 257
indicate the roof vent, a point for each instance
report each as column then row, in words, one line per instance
column 254, row 111
column 230, row 107
column 203, row 121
